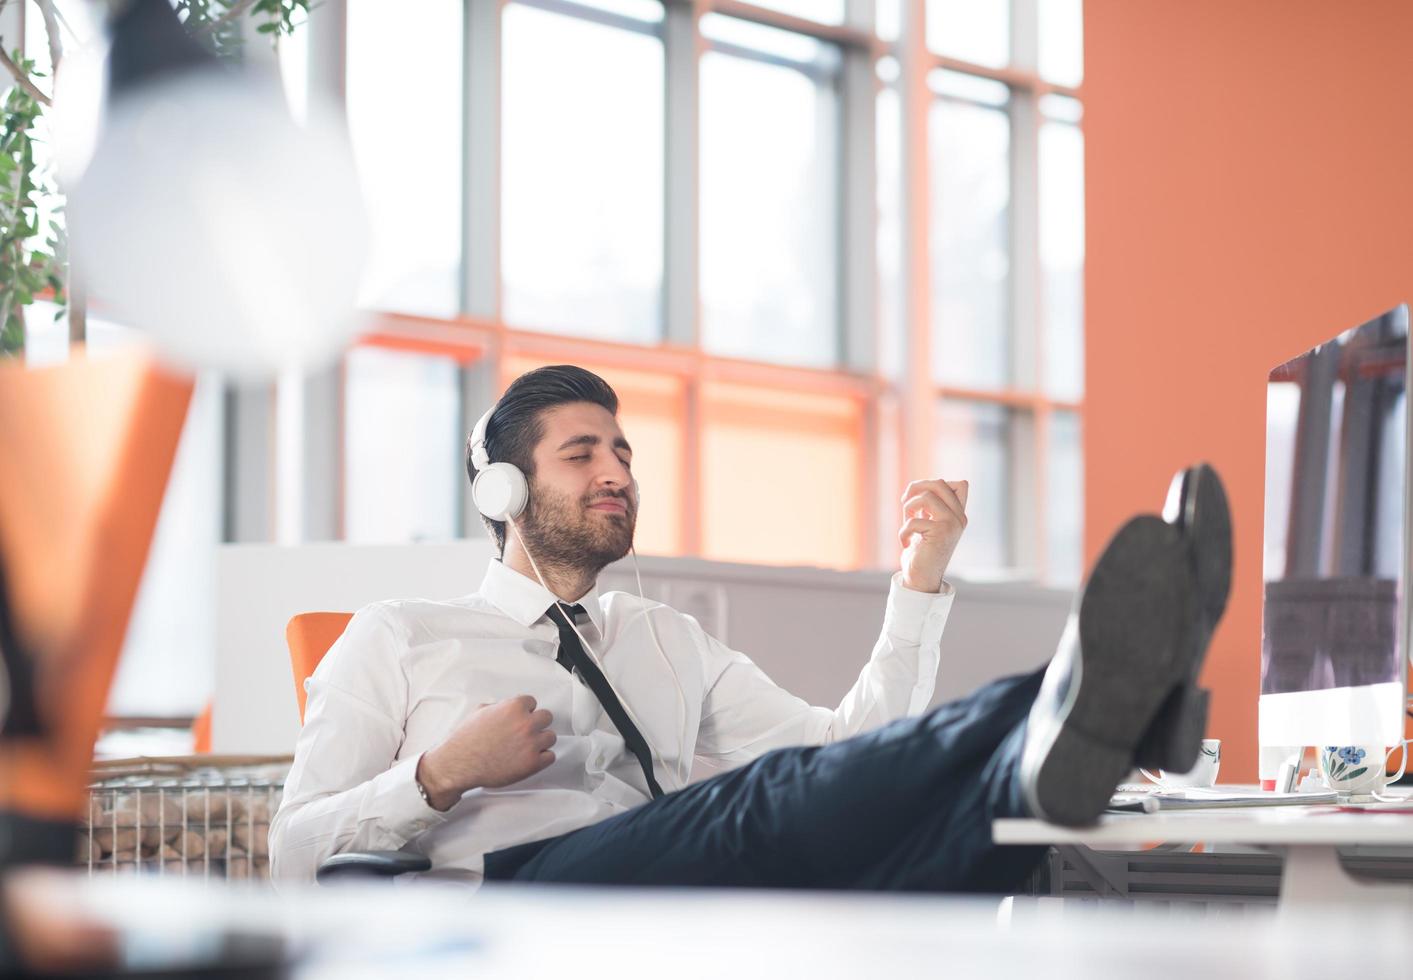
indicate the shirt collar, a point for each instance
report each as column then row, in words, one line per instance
column 525, row 600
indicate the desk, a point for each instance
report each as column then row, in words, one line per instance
column 1309, row 836
column 430, row 931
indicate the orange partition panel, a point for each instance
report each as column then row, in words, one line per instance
column 87, row 446
column 781, row 481
column 1248, row 197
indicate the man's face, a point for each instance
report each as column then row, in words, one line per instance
column 582, row 509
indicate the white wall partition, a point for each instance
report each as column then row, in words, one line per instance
column 810, row 629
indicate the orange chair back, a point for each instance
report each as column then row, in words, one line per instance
column 309, row 636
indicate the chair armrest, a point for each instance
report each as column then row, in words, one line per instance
column 370, row 864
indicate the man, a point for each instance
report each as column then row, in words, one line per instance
column 539, row 731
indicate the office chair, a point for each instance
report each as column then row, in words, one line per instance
column 310, row 635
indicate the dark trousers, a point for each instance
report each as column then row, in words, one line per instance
column 907, row 807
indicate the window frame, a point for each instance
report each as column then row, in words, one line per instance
column 897, row 412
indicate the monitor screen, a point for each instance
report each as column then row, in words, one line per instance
column 1334, row 632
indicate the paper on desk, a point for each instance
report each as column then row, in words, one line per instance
column 1394, row 803
column 1206, row 798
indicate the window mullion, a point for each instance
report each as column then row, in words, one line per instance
column 858, row 214
column 311, row 485
column 1025, row 36
column 1028, row 517
column 1044, row 437
column 477, row 386
column 915, row 100
column 1025, row 301
column 480, row 275
column 681, row 287
column 481, row 156
column 682, row 50
column 857, row 254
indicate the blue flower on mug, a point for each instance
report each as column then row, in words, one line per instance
column 1340, row 762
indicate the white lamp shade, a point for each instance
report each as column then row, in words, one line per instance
column 209, row 219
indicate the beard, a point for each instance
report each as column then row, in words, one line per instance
column 562, row 533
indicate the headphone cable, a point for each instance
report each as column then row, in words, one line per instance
column 593, row 656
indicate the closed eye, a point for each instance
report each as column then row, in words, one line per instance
column 575, row 459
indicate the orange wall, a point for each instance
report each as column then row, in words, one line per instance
column 1250, row 193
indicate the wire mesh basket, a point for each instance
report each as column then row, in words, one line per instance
column 201, row 816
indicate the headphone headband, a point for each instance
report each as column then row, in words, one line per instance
column 479, row 457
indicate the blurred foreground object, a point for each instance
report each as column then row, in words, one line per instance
column 88, row 449
column 205, row 216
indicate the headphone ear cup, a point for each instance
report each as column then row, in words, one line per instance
column 500, row 491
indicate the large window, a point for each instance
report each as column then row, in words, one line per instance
column 974, row 440
column 1005, row 238
column 403, row 91
column 969, row 152
column 402, row 446
column 1062, row 245
column 820, row 248
column 976, row 31
column 582, row 170
column 769, row 242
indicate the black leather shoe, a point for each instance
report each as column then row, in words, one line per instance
column 1130, row 654
column 1197, row 506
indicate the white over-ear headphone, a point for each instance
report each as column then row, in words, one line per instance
column 500, row 490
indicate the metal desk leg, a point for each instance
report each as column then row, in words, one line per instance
column 1314, row 877
column 1094, row 868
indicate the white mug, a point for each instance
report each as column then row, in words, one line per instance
column 1356, row 770
column 1203, row 774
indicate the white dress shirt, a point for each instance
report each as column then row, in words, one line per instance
column 405, row 673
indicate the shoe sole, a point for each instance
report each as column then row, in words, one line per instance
column 1136, row 647
column 1197, row 505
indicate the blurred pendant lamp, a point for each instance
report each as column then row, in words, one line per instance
column 201, row 213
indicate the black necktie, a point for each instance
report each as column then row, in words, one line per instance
column 571, row 657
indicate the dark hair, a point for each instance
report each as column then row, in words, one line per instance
column 516, row 426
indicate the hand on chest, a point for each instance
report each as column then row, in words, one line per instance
column 452, row 686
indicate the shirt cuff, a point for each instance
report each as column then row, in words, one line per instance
column 917, row 617
column 403, row 813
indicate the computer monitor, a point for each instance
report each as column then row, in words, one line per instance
column 1335, row 626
